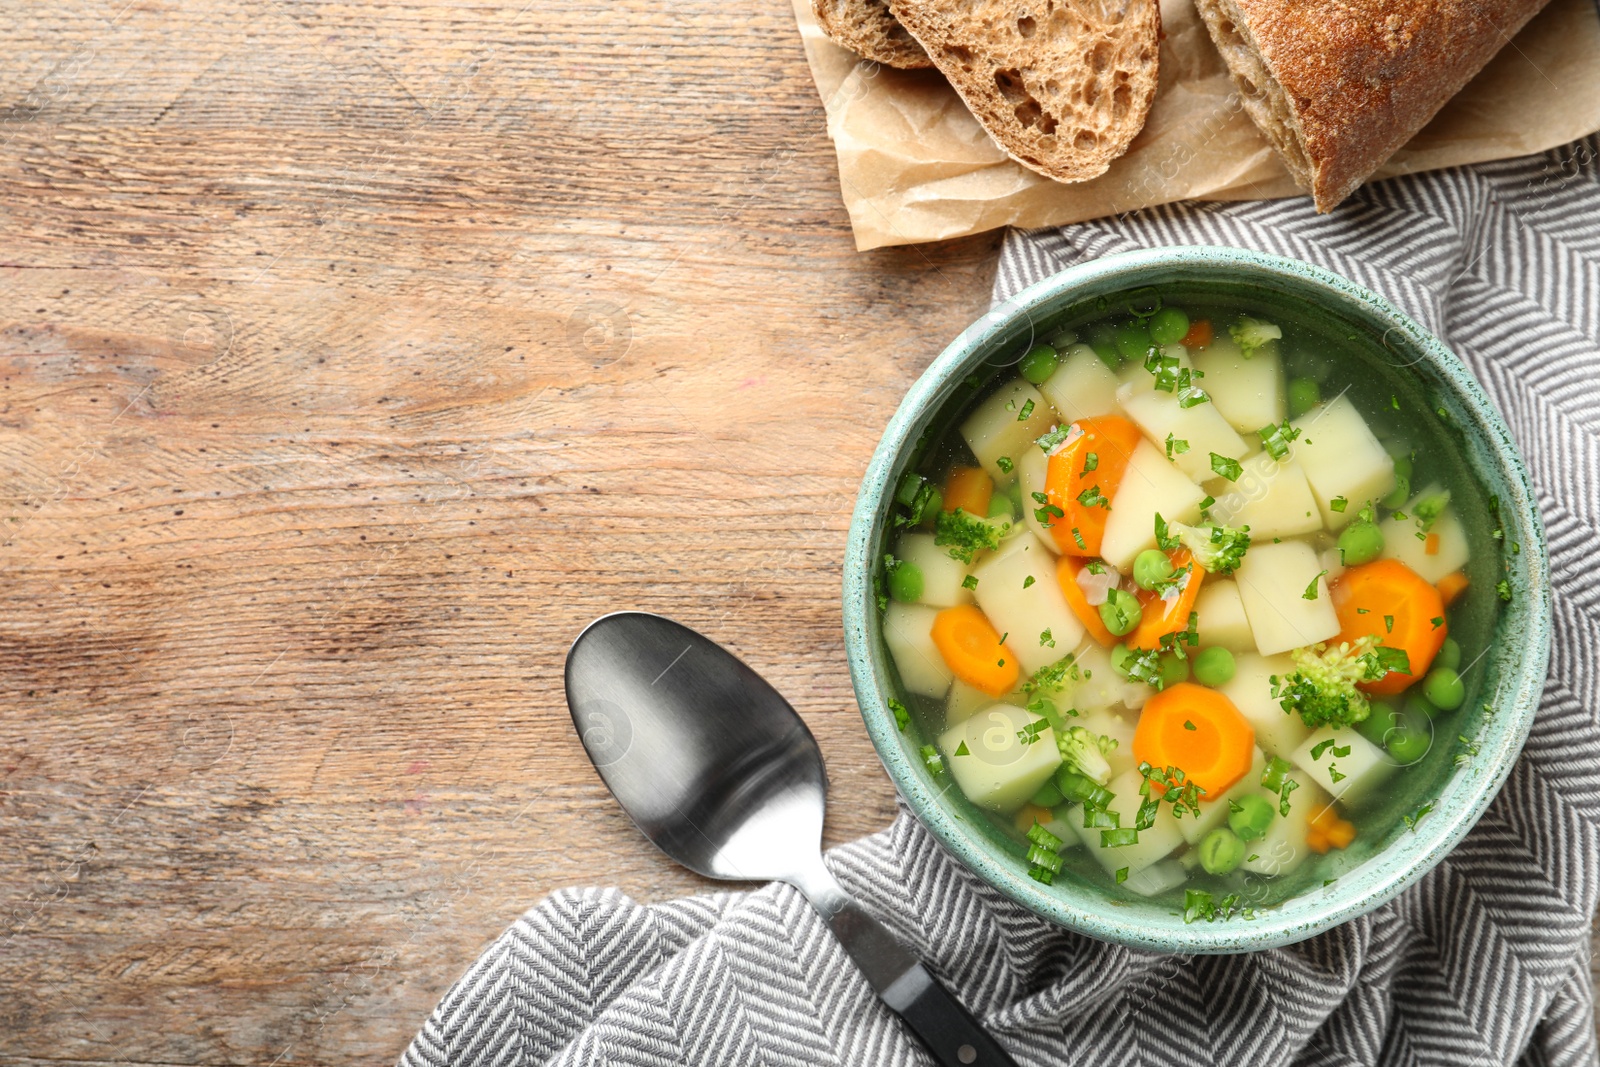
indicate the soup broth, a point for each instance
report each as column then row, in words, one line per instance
column 1175, row 597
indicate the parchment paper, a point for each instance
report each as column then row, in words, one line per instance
column 914, row 165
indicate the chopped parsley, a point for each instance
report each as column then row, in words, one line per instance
column 1053, row 439
column 1122, row 875
column 1053, row 678
column 963, row 750
column 1388, row 624
column 1092, row 498
column 970, row 582
column 1417, row 816
column 1338, row 503
column 1176, row 446
column 1027, row 581
column 1045, row 638
column 1277, row 439
column 1027, row 410
column 1165, row 541
column 1311, row 589
column 1030, row 733
column 1091, row 462
column 1503, row 589
column 1005, row 464
column 1077, row 537
column 1228, row 468
column 902, row 717
column 1438, row 621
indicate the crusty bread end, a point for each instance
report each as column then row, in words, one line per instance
column 868, row 29
column 1338, row 85
column 1062, row 85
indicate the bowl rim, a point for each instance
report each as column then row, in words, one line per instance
column 1463, row 797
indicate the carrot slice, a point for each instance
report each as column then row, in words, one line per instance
column 1387, row 600
column 972, row 650
column 1164, row 615
column 1198, row 730
column 1067, row 570
column 1199, row 334
column 1451, row 586
column 1081, row 526
column 1430, row 545
column 969, row 488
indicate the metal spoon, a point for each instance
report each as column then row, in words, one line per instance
column 721, row 773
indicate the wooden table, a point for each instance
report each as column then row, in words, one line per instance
column 352, row 357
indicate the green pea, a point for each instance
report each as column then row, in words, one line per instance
column 1380, row 719
column 1400, row 494
column 1040, row 362
column 1221, row 851
column 1250, row 815
column 1062, row 340
column 1449, row 655
column 1419, row 706
column 1360, row 542
column 905, row 583
column 1103, row 339
column 1410, row 737
column 1151, row 567
column 1214, row 667
column 1120, row 656
column 1133, row 340
column 1048, row 796
column 1443, row 686
column 1303, row 396
column 1120, row 612
column 1001, row 507
column 1168, row 326
column 1174, row 669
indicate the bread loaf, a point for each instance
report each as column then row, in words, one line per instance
column 1338, row 85
column 868, row 29
column 1062, row 85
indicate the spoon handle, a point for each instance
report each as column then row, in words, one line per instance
column 951, row 1034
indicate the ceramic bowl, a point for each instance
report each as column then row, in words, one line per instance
column 1503, row 694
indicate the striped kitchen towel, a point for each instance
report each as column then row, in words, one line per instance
column 1485, row 961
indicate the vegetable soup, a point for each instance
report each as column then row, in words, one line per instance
column 1171, row 600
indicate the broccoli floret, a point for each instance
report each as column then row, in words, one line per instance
column 966, row 535
column 1085, row 751
column 1322, row 688
column 1218, row 549
column 1251, row 334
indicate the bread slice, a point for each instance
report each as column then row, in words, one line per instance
column 1338, row 85
column 1062, row 85
column 867, row 28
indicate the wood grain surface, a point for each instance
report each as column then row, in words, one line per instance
column 352, row 357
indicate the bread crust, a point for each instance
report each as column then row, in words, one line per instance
column 1062, row 85
column 868, row 29
column 1338, row 85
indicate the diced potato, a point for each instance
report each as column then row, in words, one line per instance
column 990, row 761
column 1099, row 685
column 1150, row 485
column 1362, row 769
column 964, row 702
column 1082, row 387
column 908, row 631
column 1119, row 730
column 1273, row 499
column 1032, row 468
column 1156, row 878
column 1024, row 611
column 1221, row 616
column 1400, row 540
column 1278, row 732
column 1283, row 848
column 1155, row 843
column 1342, row 458
column 1273, row 580
column 1214, row 813
column 1134, row 378
column 941, row 575
column 1160, row 415
column 1248, row 392
column 998, row 426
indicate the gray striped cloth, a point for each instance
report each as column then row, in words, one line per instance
column 1483, row 962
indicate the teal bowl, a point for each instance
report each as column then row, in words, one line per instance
column 1504, row 691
